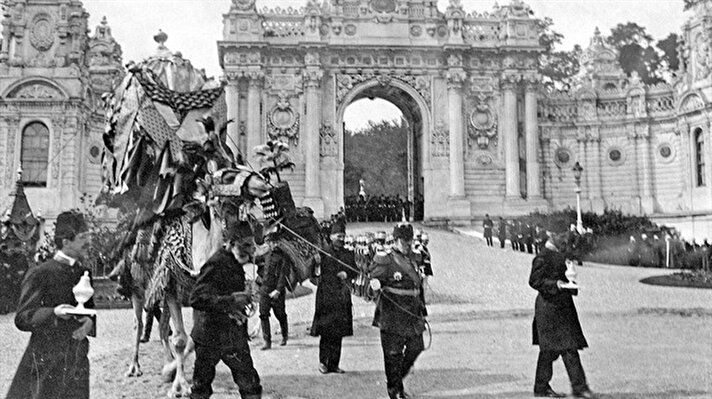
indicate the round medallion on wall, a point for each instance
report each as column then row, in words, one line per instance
column 665, row 152
column 615, row 156
column 416, row 30
column 562, row 156
column 94, row 153
column 42, row 33
column 350, row 29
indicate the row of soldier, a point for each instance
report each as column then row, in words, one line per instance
column 383, row 208
column 524, row 237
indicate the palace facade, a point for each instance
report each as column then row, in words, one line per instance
column 485, row 138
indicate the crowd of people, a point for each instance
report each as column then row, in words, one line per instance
column 665, row 248
column 382, row 208
column 389, row 269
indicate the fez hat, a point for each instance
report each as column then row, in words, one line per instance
column 338, row 227
column 69, row 224
column 403, row 231
column 237, row 230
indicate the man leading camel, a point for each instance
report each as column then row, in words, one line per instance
column 220, row 322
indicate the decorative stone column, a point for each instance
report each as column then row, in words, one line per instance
column 647, row 197
column 635, row 201
column 458, row 207
column 254, row 118
column 511, row 144
column 532, row 142
column 232, row 99
column 598, row 203
column 312, row 184
column 457, row 138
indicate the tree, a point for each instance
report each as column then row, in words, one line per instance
column 378, row 154
column 670, row 55
column 557, row 68
column 636, row 52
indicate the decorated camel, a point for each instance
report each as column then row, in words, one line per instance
column 169, row 161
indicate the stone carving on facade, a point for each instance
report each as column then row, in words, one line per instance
column 703, row 57
column 482, row 123
column 42, row 32
column 58, row 125
column 37, row 91
column 440, row 140
column 12, row 126
column 691, row 103
column 416, row 30
column 327, row 139
column 244, row 5
column 283, row 120
column 484, row 158
column 346, row 82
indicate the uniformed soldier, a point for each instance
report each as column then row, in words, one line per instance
column 400, row 310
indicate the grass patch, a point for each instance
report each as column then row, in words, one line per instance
column 689, row 279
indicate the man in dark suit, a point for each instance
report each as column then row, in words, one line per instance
column 219, row 331
column 55, row 363
column 273, row 291
column 487, row 225
column 400, row 311
column 333, row 319
column 556, row 328
column 502, row 232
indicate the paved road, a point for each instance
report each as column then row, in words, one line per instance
column 645, row 341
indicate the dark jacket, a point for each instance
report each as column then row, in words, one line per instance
column 275, row 271
column 54, row 364
column 397, row 312
column 502, row 230
column 487, row 224
column 332, row 313
column 556, row 325
column 213, row 303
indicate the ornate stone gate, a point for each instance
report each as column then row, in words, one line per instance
column 466, row 82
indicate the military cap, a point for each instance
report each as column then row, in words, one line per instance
column 403, row 231
column 69, row 224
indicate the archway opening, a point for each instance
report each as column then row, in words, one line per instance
column 383, row 176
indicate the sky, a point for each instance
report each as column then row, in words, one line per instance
column 194, row 26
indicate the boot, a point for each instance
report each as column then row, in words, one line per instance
column 285, row 333
column 266, row 334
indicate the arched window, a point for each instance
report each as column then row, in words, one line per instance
column 35, row 154
column 699, row 157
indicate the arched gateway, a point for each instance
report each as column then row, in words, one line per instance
column 466, row 83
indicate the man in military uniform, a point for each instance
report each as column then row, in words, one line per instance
column 400, row 310
column 220, row 322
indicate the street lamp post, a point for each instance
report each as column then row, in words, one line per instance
column 577, row 177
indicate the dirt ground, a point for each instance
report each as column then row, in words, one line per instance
column 645, row 341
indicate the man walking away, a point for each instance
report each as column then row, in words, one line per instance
column 487, row 225
column 502, row 232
